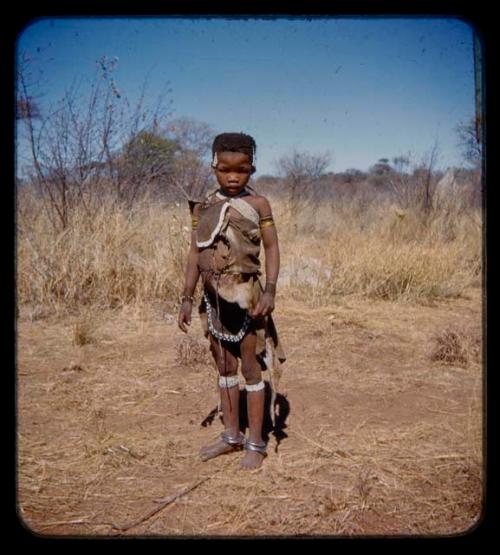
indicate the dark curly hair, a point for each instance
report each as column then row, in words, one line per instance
column 235, row 142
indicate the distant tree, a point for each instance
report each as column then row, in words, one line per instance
column 401, row 163
column 303, row 166
column 84, row 146
column 149, row 148
column 192, row 172
column 471, row 151
column 301, row 172
column 267, row 184
column 190, row 134
column 426, row 181
column 353, row 175
column 415, row 189
column 468, row 144
column 268, row 178
column 379, row 172
column 382, row 167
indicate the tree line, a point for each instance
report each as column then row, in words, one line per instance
column 99, row 144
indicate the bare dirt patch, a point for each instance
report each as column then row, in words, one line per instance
column 383, row 436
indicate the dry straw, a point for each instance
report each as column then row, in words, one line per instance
column 112, row 257
column 384, row 434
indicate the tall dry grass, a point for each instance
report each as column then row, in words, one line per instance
column 376, row 250
column 117, row 257
column 109, row 259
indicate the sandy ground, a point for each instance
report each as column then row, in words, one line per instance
column 379, row 437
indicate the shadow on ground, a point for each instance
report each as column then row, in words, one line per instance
column 281, row 411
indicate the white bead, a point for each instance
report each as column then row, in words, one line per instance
column 256, row 387
column 229, row 381
column 224, row 336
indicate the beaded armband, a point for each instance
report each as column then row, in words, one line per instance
column 194, row 223
column 266, row 221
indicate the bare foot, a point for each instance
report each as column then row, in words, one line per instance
column 215, row 449
column 251, row 460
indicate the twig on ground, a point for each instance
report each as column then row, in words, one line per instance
column 163, row 503
column 62, row 522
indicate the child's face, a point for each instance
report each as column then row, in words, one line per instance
column 233, row 171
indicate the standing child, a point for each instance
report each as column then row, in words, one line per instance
column 227, row 229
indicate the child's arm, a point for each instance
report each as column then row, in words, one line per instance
column 191, row 279
column 270, row 241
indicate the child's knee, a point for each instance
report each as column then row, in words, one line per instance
column 251, row 372
column 227, row 368
column 225, row 365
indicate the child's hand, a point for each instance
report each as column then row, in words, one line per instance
column 264, row 307
column 185, row 315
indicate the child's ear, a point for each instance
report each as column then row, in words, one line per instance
column 254, row 169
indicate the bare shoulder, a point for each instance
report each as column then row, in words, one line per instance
column 261, row 204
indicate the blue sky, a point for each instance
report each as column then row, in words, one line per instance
column 359, row 88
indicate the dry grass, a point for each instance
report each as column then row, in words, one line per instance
column 339, row 250
column 385, row 388
column 192, row 352
column 113, row 258
column 118, row 257
column 85, row 328
column 456, row 346
column 381, row 440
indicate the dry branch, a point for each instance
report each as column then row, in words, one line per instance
column 163, row 503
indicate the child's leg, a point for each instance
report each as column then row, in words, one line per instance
column 227, row 365
column 252, row 373
column 229, row 390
